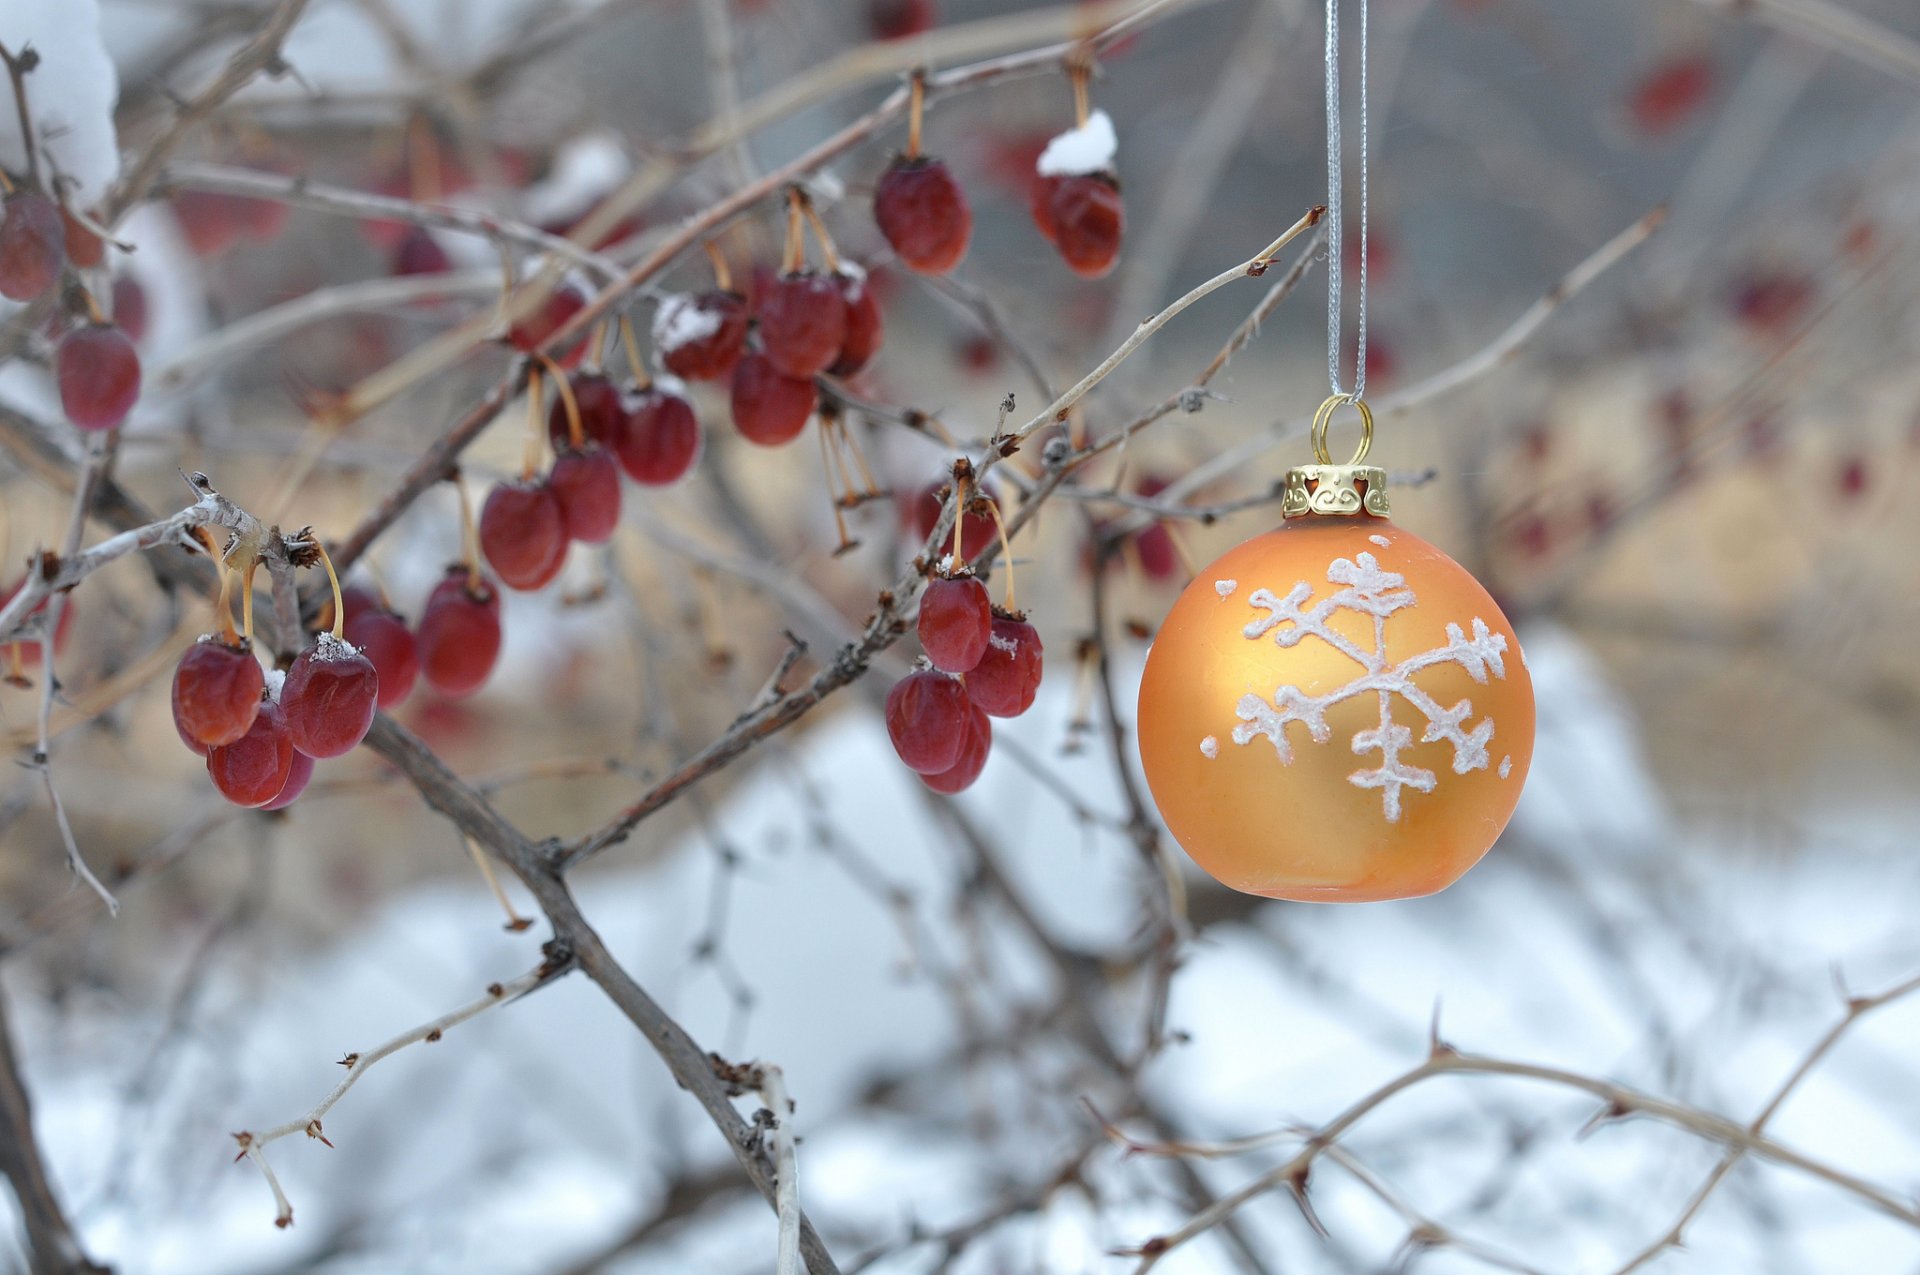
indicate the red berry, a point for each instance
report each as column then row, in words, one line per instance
column 84, row 248
column 99, row 372
column 1671, row 93
column 418, row 252
column 216, row 692
column 927, row 716
column 803, row 323
column 460, row 633
column 1853, row 478
column 130, row 306
column 602, row 414
column 1774, row 303
column 32, row 245
column 1007, row 677
column 921, row 512
column 1082, row 214
column 329, row 697
column 253, row 770
column 863, row 336
column 975, row 744
column 769, row 408
column 587, row 485
column 299, row 775
column 956, row 618
column 1158, row 557
column 383, row 638
column 923, row 213
column 700, row 337
column 531, row 331
column 898, row 19
column 523, row 534
column 661, row 437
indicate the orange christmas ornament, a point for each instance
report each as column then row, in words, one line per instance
column 1336, row 710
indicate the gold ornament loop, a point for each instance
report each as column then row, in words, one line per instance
column 1323, row 419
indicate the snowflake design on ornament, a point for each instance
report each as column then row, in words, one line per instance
column 1367, row 588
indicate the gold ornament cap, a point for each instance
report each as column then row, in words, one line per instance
column 1338, row 490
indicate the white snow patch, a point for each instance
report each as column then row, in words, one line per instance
column 1210, row 746
column 584, row 171
column 1225, row 588
column 1382, row 541
column 276, row 678
column 1506, row 766
column 680, row 321
column 70, row 95
column 1087, row 149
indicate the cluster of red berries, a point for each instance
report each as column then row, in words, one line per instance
column 985, row 662
column 95, row 363
column 1074, row 199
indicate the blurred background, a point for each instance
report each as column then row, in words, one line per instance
column 1683, row 461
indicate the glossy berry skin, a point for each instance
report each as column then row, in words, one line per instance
column 383, row 638
column 956, row 619
column 602, row 412
column 299, row 775
column 1671, row 94
column 459, row 638
column 923, row 213
column 211, row 222
column 975, row 743
column 863, row 334
column 700, row 338
column 661, row 438
column 587, row 487
column 523, row 534
column 927, row 714
column 329, row 697
column 1083, row 216
column 803, row 323
column 32, row 246
column 99, row 373
column 1007, row 677
column 768, row 407
column 254, row 769
column 418, row 253
column 216, row 692
column 531, row 331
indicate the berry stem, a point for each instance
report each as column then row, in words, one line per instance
column 1006, row 549
column 916, row 105
column 339, row 603
column 722, row 272
column 515, row 921
column 826, row 240
column 469, row 535
column 93, row 308
column 246, row 599
column 423, row 160
column 6, row 183
column 576, row 434
column 1077, row 74
column 530, row 457
column 636, row 366
column 597, row 347
column 795, row 255
column 827, row 465
column 959, row 520
column 17, row 72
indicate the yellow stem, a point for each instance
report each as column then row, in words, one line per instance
column 795, row 255
column 469, row 534
column 915, row 106
column 576, row 432
column 1006, row 549
column 515, row 921
column 636, row 366
column 225, row 606
column 246, row 600
column 536, row 425
column 826, row 240
column 722, row 272
column 339, row 603
column 1078, row 73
